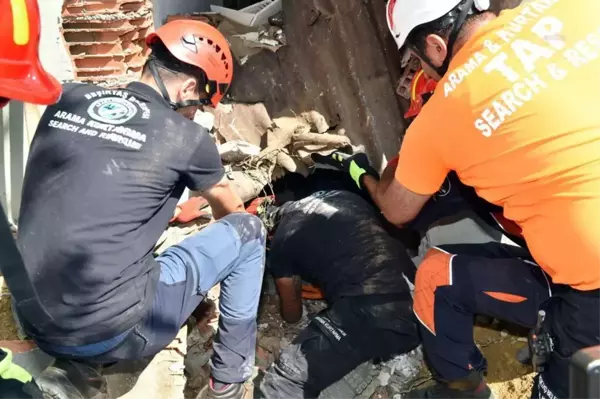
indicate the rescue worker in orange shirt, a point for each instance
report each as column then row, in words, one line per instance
column 500, row 119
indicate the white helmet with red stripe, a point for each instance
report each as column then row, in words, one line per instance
column 405, row 15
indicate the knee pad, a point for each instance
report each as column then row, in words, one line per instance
column 434, row 272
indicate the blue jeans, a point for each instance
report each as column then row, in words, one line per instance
column 230, row 251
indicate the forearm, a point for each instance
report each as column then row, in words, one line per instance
column 223, row 200
column 222, row 209
column 376, row 189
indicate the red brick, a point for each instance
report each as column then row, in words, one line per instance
column 106, row 50
column 115, row 63
column 136, row 34
column 129, row 7
column 135, row 60
column 141, row 22
column 96, row 76
column 135, row 70
column 96, row 48
column 98, row 25
column 108, row 7
column 193, row 17
column 133, row 46
column 91, row 37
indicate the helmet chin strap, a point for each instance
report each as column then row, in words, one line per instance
column 164, row 92
column 464, row 12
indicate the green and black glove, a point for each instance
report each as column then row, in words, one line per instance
column 357, row 166
column 15, row 382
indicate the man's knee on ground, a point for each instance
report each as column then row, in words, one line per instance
column 434, row 272
column 248, row 226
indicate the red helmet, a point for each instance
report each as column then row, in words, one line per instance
column 22, row 76
column 200, row 44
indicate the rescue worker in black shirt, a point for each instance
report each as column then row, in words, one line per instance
column 104, row 175
column 338, row 241
column 22, row 78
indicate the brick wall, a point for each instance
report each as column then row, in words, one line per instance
column 105, row 39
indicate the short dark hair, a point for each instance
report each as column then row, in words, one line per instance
column 442, row 26
column 169, row 67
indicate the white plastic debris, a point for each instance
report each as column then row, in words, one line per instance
column 254, row 15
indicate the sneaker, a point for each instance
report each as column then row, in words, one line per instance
column 68, row 379
column 473, row 386
column 232, row 391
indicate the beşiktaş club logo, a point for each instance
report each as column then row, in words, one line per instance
column 113, row 110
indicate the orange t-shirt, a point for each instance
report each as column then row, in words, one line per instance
column 518, row 118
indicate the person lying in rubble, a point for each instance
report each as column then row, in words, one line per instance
column 337, row 240
column 103, row 178
column 508, row 132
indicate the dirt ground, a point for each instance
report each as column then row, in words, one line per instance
column 507, row 377
column 8, row 331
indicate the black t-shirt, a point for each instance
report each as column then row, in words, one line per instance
column 336, row 240
column 105, row 172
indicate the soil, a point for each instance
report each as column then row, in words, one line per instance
column 507, row 377
column 8, row 331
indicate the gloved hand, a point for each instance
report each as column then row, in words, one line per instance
column 16, row 382
column 357, row 166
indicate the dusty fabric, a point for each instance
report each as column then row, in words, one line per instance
column 336, row 240
column 105, row 172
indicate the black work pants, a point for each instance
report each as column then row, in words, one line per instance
column 339, row 339
column 456, row 282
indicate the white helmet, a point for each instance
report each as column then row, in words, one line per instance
column 405, row 15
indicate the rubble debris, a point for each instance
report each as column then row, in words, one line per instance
column 258, row 150
column 404, row 84
column 237, row 151
column 247, row 122
column 246, row 42
column 262, row 40
column 316, row 121
column 249, row 184
column 277, row 20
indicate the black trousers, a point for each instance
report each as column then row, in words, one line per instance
column 339, row 339
column 456, row 282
